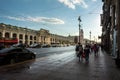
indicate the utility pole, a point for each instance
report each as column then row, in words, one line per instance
column 79, row 27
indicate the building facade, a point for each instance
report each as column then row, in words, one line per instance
column 29, row 36
column 110, row 22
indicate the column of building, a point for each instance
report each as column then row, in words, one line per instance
column 118, row 22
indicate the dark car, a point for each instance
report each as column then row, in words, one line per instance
column 35, row 45
column 19, row 45
column 15, row 55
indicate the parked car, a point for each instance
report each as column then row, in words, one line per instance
column 19, row 45
column 35, row 45
column 45, row 45
column 15, row 54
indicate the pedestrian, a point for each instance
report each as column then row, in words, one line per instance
column 87, row 52
column 79, row 51
column 95, row 49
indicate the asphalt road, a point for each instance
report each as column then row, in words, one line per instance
column 62, row 64
column 43, row 52
column 49, row 54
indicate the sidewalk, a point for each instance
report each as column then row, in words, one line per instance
column 98, row 68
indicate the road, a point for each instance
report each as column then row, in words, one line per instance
column 62, row 64
column 44, row 56
column 43, row 52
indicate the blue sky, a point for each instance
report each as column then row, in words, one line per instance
column 58, row 16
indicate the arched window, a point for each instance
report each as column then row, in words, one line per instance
column 0, row 34
column 31, row 38
column 20, row 36
column 14, row 35
column 7, row 35
column 34, row 37
column 31, row 42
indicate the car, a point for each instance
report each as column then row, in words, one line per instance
column 19, row 45
column 35, row 45
column 15, row 54
column 45, row 45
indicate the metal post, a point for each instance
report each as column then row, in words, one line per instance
column 90, row 37
column 79, row 27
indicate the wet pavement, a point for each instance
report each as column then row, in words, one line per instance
column 64, row 66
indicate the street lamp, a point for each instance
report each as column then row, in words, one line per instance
column 90, row 37
column 79, row 27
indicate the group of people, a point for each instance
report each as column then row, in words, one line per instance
column 83, row 52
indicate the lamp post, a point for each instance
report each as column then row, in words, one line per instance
column 90, row 37
column 79, row 19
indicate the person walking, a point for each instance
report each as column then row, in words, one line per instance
column 79, row 51
column 87, row 52
column 96, row 49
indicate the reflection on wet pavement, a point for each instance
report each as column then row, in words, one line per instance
column 64, row 66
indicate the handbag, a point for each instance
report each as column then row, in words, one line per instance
column 83, row 55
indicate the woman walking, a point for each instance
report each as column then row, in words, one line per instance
column 87, row 52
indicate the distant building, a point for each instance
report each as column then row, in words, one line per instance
column 29, row 36
column 81, row 37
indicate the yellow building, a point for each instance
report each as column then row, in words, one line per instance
column 29, row 36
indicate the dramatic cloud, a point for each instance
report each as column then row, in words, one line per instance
column 72, row 3
column 37, row 19
column 94, row 0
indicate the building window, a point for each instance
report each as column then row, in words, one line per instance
column 0, row 35
column 7, row 35
column 31, row 38
column 20, row 36
column 14, row 35
column 31, row 42
column 35, row 38
column 51, row 39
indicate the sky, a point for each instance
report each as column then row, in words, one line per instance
column 58, row 16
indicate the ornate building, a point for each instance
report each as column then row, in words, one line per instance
column 23, row 35
column 110, row 22
column 28, row 36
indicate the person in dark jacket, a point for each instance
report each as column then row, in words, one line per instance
column 87, row 52
column 79, row 51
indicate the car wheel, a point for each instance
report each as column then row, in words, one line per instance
column 12, row 61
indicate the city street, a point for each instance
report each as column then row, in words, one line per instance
column 62, row 64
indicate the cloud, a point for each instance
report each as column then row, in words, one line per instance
column 72, row 3
column 94, row 0
column 37, row 19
